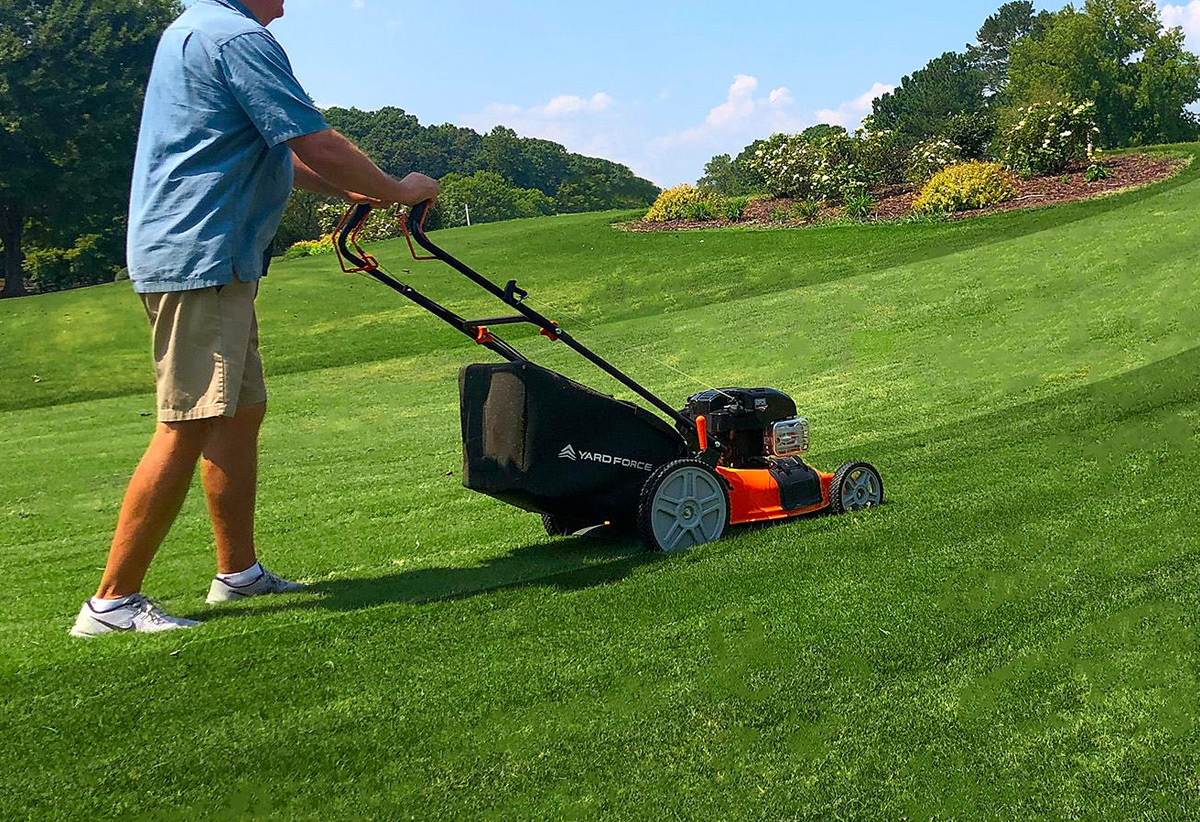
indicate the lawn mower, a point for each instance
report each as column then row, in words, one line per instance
column 581, row 459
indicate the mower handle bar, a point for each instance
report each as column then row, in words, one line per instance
column 346, row 233
column 512, row 295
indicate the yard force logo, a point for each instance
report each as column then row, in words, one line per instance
column 574, row 454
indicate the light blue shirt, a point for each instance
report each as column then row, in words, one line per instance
column 213, row 172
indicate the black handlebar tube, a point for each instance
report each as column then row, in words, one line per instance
column 371, row 267
column 416, row 220
column 360, row 213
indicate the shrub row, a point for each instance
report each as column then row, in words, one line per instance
column 56, row 269
column 828, row 166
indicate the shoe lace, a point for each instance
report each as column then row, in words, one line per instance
column 149, row 608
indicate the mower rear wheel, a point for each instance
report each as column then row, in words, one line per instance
column 683, row 504
column 855, row 486
column 566, row 526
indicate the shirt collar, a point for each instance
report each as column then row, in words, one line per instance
column 238, row 7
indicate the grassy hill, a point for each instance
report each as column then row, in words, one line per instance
column 1014, row 636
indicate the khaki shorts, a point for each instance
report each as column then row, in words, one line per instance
column 206, row 356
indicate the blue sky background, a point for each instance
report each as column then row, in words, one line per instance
column 660, row 86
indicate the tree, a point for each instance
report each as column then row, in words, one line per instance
column 72, row 76
column 728, row 177
column 822, row 130
column 1116, row 53
column 490, row 199
column 996, row 37
column 948, row 85
column 400, row 144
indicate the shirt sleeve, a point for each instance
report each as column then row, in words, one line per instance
column 259, row 75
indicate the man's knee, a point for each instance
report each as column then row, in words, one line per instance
column 185, row 439
column 249, row 418
column 239, row 429
column 252, row 413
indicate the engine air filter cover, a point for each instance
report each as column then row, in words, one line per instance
column 787, row 438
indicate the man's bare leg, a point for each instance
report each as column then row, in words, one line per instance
column 229, row 470
column 152, row 501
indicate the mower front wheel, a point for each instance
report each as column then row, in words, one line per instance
column 683, row 504
column 855, row 486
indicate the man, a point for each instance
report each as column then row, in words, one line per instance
column 226, row 132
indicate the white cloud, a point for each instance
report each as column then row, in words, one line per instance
column 850, row 114
column 742, row 113
column 597, row 125
column 570, row 104
column 1187, row 17
column 548, row 116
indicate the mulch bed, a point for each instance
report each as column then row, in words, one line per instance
column 895, row 202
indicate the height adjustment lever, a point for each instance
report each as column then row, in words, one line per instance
column 514, row 292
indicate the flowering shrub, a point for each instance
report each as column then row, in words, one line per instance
column 310, row 248
column 965, row 186
column 931, row 156
column 1049, row 137
column 683, row 203
column 973, row 133
column 880, row 154
column 381, row 225
column 801, row 167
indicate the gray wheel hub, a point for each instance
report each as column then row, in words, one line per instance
column 689, row 509
column 861, row 489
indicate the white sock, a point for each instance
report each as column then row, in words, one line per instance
column 242, row 577
column 103, row 605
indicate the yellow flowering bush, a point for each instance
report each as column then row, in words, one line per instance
column 310, row 248
column 683, row 202
column 965, row 186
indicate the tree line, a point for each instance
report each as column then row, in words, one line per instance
column 499, row 175
column 72, row 79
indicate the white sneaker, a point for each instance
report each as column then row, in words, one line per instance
column 139, row 614
column 265, row 583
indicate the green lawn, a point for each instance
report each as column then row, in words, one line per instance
column 1014, row 636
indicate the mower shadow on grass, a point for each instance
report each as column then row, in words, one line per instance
column 572, row 564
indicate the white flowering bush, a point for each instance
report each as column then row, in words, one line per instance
column 880, row 153
column 929, row 157
column 803, row 168
column 383, row 224
column 1050, row 137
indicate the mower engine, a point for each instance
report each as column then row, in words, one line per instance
column 757, row 426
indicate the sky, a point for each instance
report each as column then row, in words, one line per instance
column 659, row 86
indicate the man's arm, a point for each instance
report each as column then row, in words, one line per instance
column 310, row 180
column 338, row 164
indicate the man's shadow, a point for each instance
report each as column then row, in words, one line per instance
column 568, row 564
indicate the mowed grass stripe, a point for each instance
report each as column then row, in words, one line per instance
column 91, row 343
column 1012, row 635
column 839, row 664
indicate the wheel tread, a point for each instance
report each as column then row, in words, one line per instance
column 839, row 477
